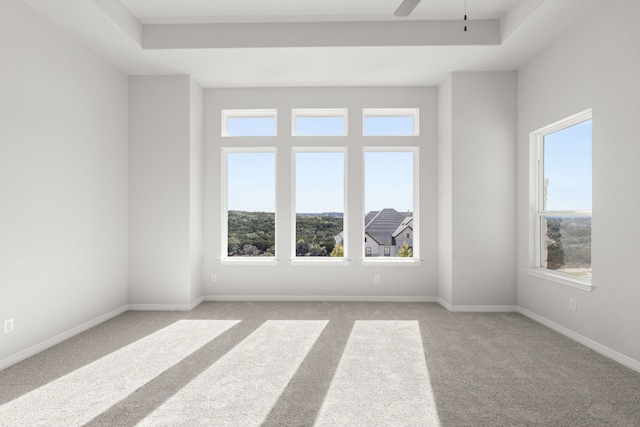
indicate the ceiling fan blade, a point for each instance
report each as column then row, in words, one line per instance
column 406, row 7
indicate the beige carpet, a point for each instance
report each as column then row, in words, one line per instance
column 324, row 364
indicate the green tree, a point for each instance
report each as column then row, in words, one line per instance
column 317, row 250
column 405, row 251
column 338, row 251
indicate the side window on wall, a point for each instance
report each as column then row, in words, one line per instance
column 563, row 178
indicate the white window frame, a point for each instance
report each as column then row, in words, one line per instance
column 296, row 260
column 247, row 113
column 392, row 261
column 320, row 112
column 536, row 203
column 225, row 258
column 392, row 112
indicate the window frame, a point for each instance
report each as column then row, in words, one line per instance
column 247, row 113
column 415, row 259
column 392, row 112
column 225, row 258
column 320, row 112
column 298, row 260
column 537, row 186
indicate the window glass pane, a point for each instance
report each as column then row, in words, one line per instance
column 567, row 168
column 566, row 245
column 251, row 199
column 389, row 204
column 319, row 204
column 251, row 126
column 388, row 125
column 319, row 125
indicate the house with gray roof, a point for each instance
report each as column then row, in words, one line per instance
column 385, row 232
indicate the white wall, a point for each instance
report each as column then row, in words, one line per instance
column 164, row 190
column 195, row 188
column 445, row 192
column 284, row 279
column 63, row 181
column 484, row 147
column 596, row 65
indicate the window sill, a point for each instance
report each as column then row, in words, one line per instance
column 249, row 261
column 315, row 261
column 390, row 261
column 565, row 279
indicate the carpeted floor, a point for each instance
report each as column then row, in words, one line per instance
column 323, row 364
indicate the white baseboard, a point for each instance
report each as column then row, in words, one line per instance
column 319, row 298
column 166, row 307
column 477, row 308
column 32, row 351
column 587, row 342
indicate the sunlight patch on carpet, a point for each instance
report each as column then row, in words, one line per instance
column 381, row 380
column 242, row 387
column 81, row 395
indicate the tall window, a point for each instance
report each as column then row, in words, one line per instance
column 319, row 202
column 249, row 187
column 391, row 188
column 564, row 191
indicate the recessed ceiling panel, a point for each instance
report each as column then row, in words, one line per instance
column 200, row 11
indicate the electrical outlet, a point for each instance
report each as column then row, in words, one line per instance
column 573, row 304
column 214, row 278
column 8, row 326
column 376, row 278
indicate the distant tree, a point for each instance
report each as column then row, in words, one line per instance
column 250, row 250
column 317, row 250
column 554, row 241
column 555, row 255
column 338, row 251
column 302, row 247
column 405, row 251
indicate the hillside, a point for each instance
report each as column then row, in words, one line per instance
column 253, row 233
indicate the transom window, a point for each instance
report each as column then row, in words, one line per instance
column 391, row 122
column 319, row 122
column 249, row 122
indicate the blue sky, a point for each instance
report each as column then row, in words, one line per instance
column 319, row 182
column 251, row 126
column 320, row 176
column 251, row 180
column 567, row 166
column 388, row 181
column 388, row 125
column 319, row 126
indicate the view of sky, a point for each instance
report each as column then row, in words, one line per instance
column 320, row 176
column 567, row 166
column 388, row 181
column 319, row 126
column 388, row 125
column 251, row 181
column 319, row 182
column 251, row 126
